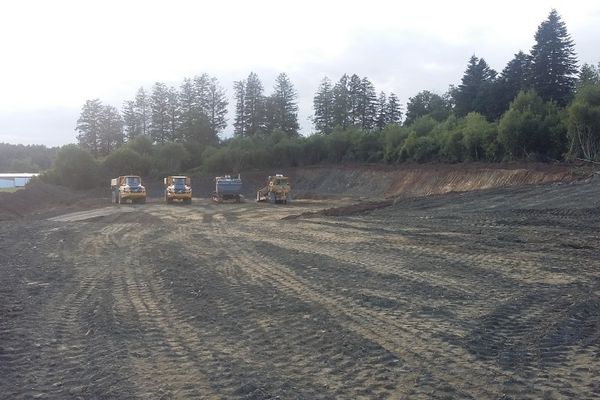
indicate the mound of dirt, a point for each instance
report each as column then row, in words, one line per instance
column 38, row 196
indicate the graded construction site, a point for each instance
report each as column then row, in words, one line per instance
column 448, row 282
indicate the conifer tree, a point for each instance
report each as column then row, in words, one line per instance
column 239, row 125
column 474, row 92
column 393, row 110
column 553, row 61
column 382, row 110
column 89, row 126
column 285, row 106
column 254, row 106
column 323, row 118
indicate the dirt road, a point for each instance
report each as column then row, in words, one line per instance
column 494, row 294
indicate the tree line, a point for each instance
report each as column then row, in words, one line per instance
column 541, row 106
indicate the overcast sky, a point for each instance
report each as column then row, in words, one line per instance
column 57, row 54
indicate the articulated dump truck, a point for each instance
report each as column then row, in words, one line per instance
column 128, row 187
column 276, row 190
column 178, row 188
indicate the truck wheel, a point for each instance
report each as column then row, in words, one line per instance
column 272, row 198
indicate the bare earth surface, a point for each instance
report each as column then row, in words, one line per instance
column 484, row 295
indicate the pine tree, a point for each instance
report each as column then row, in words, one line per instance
column 142, row 109
column 323, row 107
column 111, row 129
column 131, row 122
column 159, row 104
column 239, row 124
column 201, row 91
column 382, row 109
column 355, row 94
column 554, row 61
column 394, row 110
column 512, row 80
column 474, row 92
column 254, row 106
column 341, row 103
column 367, row 105
column 217, row 108
column 188, row 110
column 89, row 126
column 285, row 106
column 173, row 110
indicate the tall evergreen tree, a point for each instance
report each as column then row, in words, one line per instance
column 239, row 124
column 189, row 114
column 355, row 98
column 512, row 80
column 474, row 92
column 131, row 121
column 367, row 105
column 393, row 111
column 323, row 107
column 111, row 129
column 341, row 103
column 553, row 61
column 285, row 106
column 382, row 109
column 159, row 105
column 201, row 91
column 254, row 106
column 142, row 109
column 89, row 126
column 216, row 108
column 173, row 117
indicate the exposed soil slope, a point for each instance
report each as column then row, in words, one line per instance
column 364, row 181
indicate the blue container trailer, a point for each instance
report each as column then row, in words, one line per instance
column 228, row 188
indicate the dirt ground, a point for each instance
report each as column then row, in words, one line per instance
column 493, row 294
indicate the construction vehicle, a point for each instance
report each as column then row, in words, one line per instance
column 178, row 188
column 276, row 190
column 128, row 187
column 227, row 188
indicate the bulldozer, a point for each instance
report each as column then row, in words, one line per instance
column 127, row 187
column 178, row 188
column 276, row 190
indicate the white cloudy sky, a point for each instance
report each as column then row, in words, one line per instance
column 57, row 54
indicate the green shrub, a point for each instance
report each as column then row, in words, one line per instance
column 75, row 168
column 125, row 161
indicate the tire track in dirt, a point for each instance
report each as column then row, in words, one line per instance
column 395, row 337
column 481, row 366
column 293, row 353
column 68, row 357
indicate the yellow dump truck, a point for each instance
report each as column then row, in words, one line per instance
column 178, row 188
column 128, row 187
column 276, row 190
